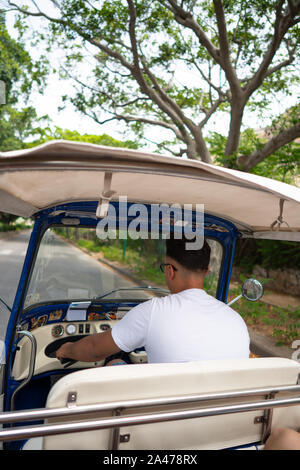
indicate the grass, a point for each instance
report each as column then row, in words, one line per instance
column 142, row 267
column 283, row 324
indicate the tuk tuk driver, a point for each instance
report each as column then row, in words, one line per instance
column 187, row 325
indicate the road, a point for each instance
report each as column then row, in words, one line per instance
column 12, row 253
column 68, row 272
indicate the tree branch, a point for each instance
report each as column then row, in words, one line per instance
column 210, row 112
column 281, row 26
column 207, row 79
column 160, row 98
column 224, row 48
column 153, row 122
column 185, row 18
column 284, row 137
column 128, row 118
column 110, row 52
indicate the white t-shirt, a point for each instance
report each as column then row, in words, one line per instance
column 188, row 326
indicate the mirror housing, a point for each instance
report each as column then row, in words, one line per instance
column 252, row 290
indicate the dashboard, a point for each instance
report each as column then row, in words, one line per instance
column 50, row 336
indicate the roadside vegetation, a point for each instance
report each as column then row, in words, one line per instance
column 142, row 262
column 282, row 324
column 7, row 225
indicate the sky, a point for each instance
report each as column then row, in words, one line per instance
column 50, row 101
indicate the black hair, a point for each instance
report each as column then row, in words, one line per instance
column 194, row 260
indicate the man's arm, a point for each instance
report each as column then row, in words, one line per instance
column 92, row 348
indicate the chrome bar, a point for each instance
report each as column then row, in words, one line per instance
column 44, row 413
column 115, row 433
column 268, row 416
column 106, row 423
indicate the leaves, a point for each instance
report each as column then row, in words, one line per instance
column 175, row 64
column 19, row 74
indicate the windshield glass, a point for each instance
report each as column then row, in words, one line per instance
column 74, row 264
column 13, row 245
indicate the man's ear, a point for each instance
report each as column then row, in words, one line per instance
column 172, row 272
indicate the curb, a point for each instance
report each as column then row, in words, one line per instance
column 264, row 346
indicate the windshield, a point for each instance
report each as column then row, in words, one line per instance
column 74, row 264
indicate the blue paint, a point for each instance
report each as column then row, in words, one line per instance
column 84, row 211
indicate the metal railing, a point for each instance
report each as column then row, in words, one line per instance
column 118, row 421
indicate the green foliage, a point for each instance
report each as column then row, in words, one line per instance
column 270, row 254
column 67, row 134
column 17, row 126
column 20, row 74
column 10, row 227
column 151, row 63
column 282, row 165
column 278, row 254
column 283, row 324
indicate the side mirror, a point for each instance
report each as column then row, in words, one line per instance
column 252, row 290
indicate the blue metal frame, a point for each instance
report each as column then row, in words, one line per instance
column 53, row 216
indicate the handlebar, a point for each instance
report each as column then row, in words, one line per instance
column 67, row 361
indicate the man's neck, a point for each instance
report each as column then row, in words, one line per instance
column 189, row 285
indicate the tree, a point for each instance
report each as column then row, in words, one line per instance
column 283, row 164
column 17, row 123
column 237, row 54
column 67, row 134
column 18, row 72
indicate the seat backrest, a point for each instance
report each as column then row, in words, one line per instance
column 144, row 381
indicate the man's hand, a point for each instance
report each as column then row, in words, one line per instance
column 91, row 348
column 65, row 351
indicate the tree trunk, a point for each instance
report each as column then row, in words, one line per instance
column 197, row 147
column 237, row 111
column 203, row 151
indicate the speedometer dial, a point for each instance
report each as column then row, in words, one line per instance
column 57, row 330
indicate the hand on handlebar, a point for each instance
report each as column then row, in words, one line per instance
column 63, row 354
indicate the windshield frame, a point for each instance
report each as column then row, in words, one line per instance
column 104, row 296
column 52, row 217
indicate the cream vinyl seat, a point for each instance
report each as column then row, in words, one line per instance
column 144, row 381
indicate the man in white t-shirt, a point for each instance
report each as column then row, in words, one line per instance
column 187, row 325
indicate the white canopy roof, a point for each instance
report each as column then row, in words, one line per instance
column 62, row 171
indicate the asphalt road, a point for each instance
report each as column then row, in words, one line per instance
column 68, row 273
column 12, row 253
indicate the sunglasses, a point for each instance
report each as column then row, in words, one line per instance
column 162, row 267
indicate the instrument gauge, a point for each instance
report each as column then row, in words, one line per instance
column 70, row 329
column 57, row 331
column 104, row 327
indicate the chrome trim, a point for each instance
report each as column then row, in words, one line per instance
column 131, row 420
column 44, row 413
column 268, row 416
column 106, row 423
